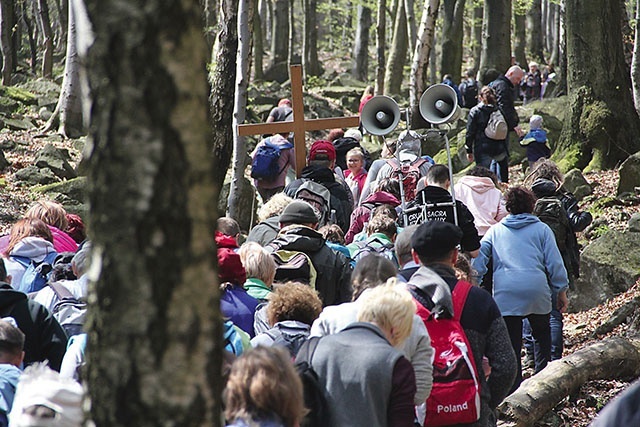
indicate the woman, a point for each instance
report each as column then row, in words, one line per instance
column 527, row 270
column 487, row 152
column 264, row 390
column 54, row 215
column 260, row 268
column 356, row 174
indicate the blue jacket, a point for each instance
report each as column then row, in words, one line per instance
column 527, row 265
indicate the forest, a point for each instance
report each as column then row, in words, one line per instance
column 155, row 91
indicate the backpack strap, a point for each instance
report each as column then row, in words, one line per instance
column 308, row 349
column 61, row 291
column 459, row 296
column 22, row 260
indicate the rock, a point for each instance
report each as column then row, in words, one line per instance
column 629, row 174
column 56, row 160
column 72, row 194
column 19, row 94
column 347, row 80
column 44, row 114
column 278, row 72
column 609, row 266
column 634, row 223
column 34, row 175
column 18, row 124
column 8, row 105
column 4, row 163
column 575, row 182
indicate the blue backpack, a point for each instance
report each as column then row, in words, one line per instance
column 264, row 165
column 36, row 274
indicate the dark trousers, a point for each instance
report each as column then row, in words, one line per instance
column 500, row 167
column 267, row 193
column 557, row 343
column 542, row 341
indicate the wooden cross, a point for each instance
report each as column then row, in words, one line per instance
column 299, row 125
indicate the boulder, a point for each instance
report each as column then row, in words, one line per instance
column 629, row 174
column 609, row 266
column 576, row 183
column 72, row 194
column 44, row 113
column 278, row 72
column 56, row 160
column 33, row 175
column 634, row 223
column 8, row 105
column 18, row 124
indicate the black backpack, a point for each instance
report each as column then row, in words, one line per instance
column 315, row 399
column 292, row 342
column 469, row 93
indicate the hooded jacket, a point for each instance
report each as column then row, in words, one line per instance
column 333, row 282
column 362, row 213
column 527, row 265
column 506, row 96
column 265, row 231
column 483, row 199
column 33, row 248
column 579, row 220
column 476, row 141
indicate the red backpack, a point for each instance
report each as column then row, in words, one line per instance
column 409, row 174
column 455, row 396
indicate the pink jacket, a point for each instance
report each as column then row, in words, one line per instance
column 483, row 199
column 62, row 242
column 361, row 214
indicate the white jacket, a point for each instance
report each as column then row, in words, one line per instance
column 483, row 199
column 34, row 248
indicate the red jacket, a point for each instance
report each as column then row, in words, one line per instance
column 362, row 213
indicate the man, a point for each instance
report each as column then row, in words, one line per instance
column 506, row 87
column 282, row 113
column 11, row 357
column 298, row 224
column 320, row 166
column 403, row 252
column 436, row 203
column 435, row 248
column 469, row 90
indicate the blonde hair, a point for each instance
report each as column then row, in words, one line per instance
column 257, row 262
column 51, row 213
column 27, row 227
column 274, row 206
column 355, row 152
column 264, row 382
column 390, row 307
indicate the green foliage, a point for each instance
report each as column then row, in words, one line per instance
column 315, row 82
column 600, row 230
column 521, row 7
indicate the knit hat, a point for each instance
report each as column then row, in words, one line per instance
column 322, row 147
column 230, row 267
column 298, row 212
column 535, row 122
column 435, row 239
column 353, row 133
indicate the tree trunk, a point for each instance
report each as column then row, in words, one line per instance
column 6, row 47
column 381, row 24
column 361, row 45
column 241, row 206
column 555, row 33
column 496, row 36
column 613, row 358
column 635, row 63
column 154, row 354
column 292, row 35
column 478, row 13
column 210, row 21
column 412, row 30
column 627, row 34
column 452, row 34
column 63, row 9
column 258, row 43
column 602, row 128
column 421, row 56
column 520, row 44
column 47, row 35
column 534, row 32
column 33, row 50
column 561, row 69
column 280, row 32
column 223, row 81
column 311, row 64
column 397, row 54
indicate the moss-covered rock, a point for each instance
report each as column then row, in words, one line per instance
column 72, row 194
column 19, row 94
column 629, row 174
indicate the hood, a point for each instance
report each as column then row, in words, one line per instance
column 345, row 144
column 35, row 248
column 479, row 184
column 10, row 296
column 224, row 241
column 298, row 238
column 382, row 197
column 543, row 187
column 318, row 174
column 538, row 135
column 230, row 267
column 519, row 220
column 435, row 287
column 314, row 188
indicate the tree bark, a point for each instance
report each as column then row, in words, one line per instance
column 47, row 35
column 614, row 358
column 602, row 127
column 496, row 36
column 381, row 25
column 280, row 31
column 311, row 64
column 397, row 54
column 520, row 44
column 478, row 13
column 561, row 69
column 258, row 43
column 361, row 45
column 210, row 21
column 635, row 63
column 6, row 46
column 555, row 32
column 412, row 30
column 33, row 50
column 534, row 32
column 155, row 339
column 452, row 35
column 223, row 81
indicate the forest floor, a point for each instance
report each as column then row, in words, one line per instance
column 575, row 411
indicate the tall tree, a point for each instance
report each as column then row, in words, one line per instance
column 6, row 45
column 452, row 35
column 381, row 25
column 397, row 54
column 28, row 24
column 496, row 36
column 520, row 42
column 476, row 46
column 534, row 31
column 412, row 28
column 258, row 42
column 154, row 352
column 280, row 31
column 361, row 44
column 47, row 36
column 602, row 127
column 635, row 63
column 310, row 39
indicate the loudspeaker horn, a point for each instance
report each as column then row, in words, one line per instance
column 380, row 115
column 439, row 104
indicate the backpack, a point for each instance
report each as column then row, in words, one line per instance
column 294, row 266
column 233, row 341
column 469, row 91
column 455, row 396
column 69, row 311
column 315, row 399
column 264, row 165
column 292, row 342
column 36, row 273
column 497, row 127
column 365, row 248
column 409, row 174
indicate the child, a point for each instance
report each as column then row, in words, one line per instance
column 536, row 141
column 356, row 174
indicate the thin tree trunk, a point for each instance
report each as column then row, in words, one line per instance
column 561, row 69
column 361, row 45
column 496, row 36
column 258, row 42
column 555, row 33
column 62, row 6
column 152, row 188
column 534, row 31
column 6, row 47
column 412, row 28
column 452, row 35
column 47, row 35
column 478, row 13
column 280, row 31
column 33, row 50
column 210, row 21
column 635, row 63
column 381, row 26
column 519, row 48
column 397, row 54
column 292, row 35
column 310, row 52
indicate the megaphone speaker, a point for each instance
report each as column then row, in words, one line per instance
column 380, row 115
column 439, row 104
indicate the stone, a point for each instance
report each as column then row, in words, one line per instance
column 8, row 105
column 56, row 160
column 44, row 114
column 634, row 223
column 629, row 174
column 72, row 194
column 278, row 72
column 18, row 124
column 574, row 181
column 582, row 191
column 34, row 175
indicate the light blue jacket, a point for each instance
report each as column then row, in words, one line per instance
column 527, row 265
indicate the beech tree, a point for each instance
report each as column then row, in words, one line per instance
column 534, row 31
column 361, row 44
column 496, row 36
column 47, row 36
column 6, row 45
column 452, row 35
column 397, row 53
